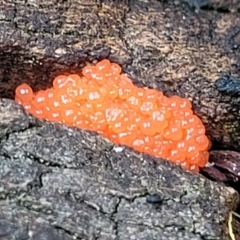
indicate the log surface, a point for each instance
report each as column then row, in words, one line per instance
column 62, row 183
column 171, row 48
column 59, row 182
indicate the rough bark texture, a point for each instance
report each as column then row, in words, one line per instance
column 160, row 45
column 60, row 183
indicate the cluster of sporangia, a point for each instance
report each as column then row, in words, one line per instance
column 102, row 99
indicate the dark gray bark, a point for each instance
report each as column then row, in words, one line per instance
column 62, row 182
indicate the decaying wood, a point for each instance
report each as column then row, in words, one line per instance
column 160, row 45
column 61, row 183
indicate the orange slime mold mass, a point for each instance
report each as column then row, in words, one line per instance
column 102, row 99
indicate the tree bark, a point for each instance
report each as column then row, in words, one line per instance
column 59, row 182
column 168, row 47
